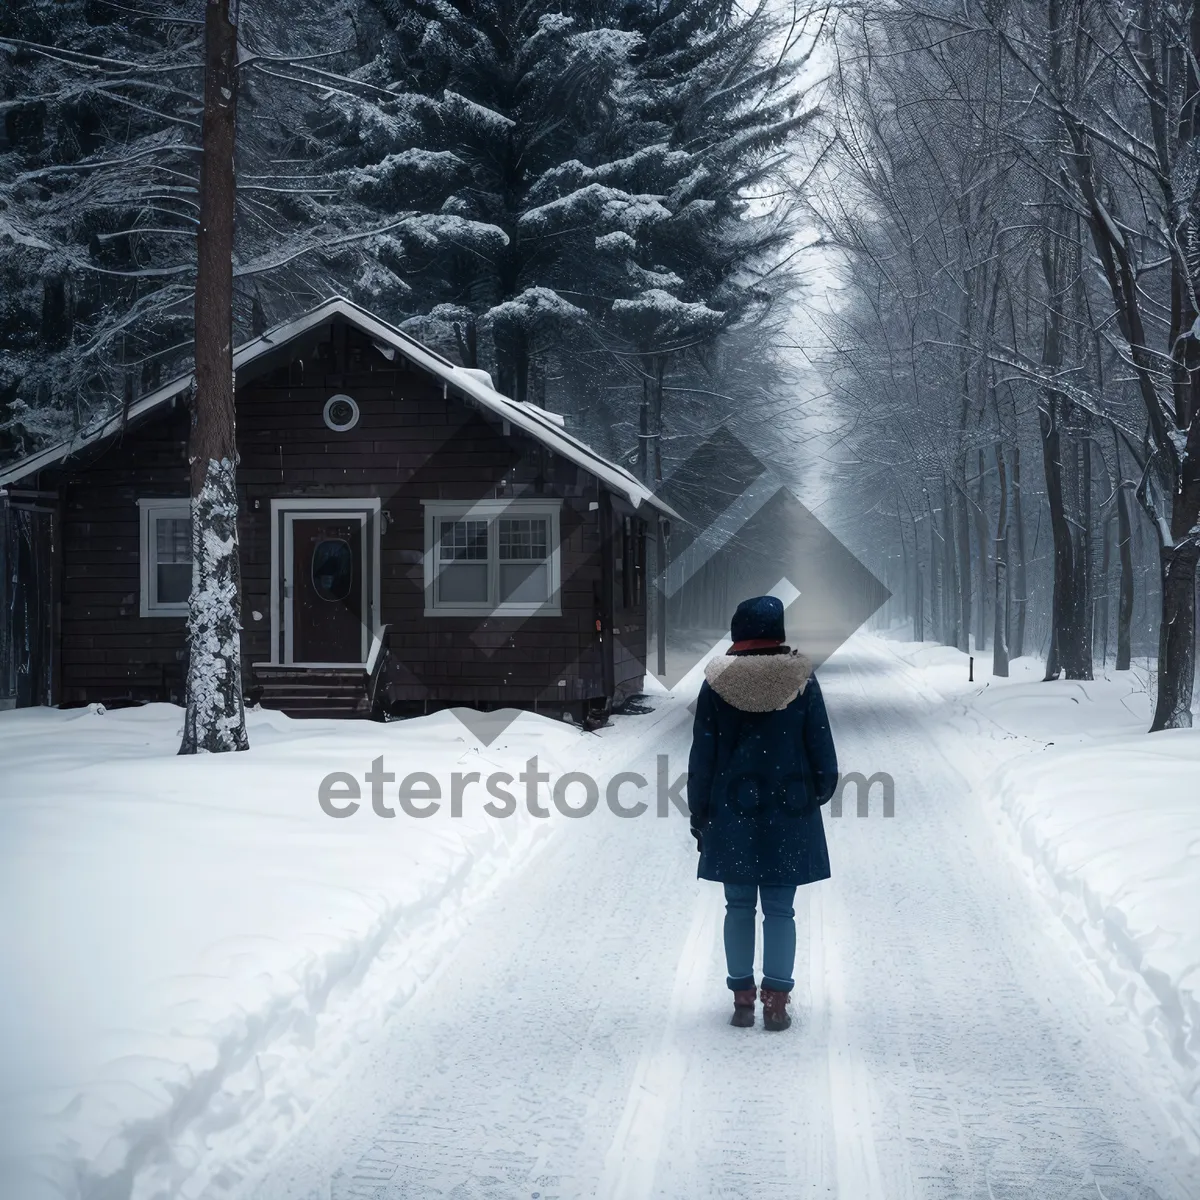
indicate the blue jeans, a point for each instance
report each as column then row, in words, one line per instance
column 779, row 936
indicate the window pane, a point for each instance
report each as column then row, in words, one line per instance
column 174, row 539
column 174, row 582
column 523, row 538
column 465, row 583
column 464, row 541
column 524, row 583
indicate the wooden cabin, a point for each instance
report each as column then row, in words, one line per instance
column 410, row 539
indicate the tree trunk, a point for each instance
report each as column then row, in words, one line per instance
column 979, row 512
column 1176, row 637
column 644, row 468
column 1017, row 649
column 1103, row 608
column 656, row 416
column 1070, row 642
column 467, row 337
column 512, row 361
column 1060, row 530
column 919, row 604
column 1064, row 640
column 1000, row 615
column 963, row 523
column 950, row 598
column 521, row 370
column 1125, row 601
column 215, row 720
column 935, row 614
column 1053, row 670
column 1084, row 582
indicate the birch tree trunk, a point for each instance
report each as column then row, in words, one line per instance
column 215, row 720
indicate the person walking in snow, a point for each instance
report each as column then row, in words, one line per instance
column 762, row 763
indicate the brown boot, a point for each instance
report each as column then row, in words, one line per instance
column 743, row 1009
column 775, row 1013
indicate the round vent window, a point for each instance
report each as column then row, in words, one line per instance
column 332, row 569
column 341, row 413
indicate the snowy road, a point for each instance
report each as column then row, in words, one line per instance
column 575, row 1044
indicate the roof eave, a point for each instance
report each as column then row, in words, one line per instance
column 522, row 416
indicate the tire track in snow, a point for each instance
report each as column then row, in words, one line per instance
column 858, row 1173
column 974, row 1019
column 632, row 1159
column 503, row 1077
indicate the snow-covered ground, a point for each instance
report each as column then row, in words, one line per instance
column 191, row 945
column 211, row 989
column 1110, row 820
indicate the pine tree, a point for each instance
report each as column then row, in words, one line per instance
column 100, row 107
column 718, row 106
column 96, row 211
column 487, row 102
column 215, row 720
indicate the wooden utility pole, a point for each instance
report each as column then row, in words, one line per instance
column 216, row 718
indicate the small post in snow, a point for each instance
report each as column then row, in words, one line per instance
column 971, row 669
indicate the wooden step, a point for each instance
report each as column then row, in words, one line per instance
column 313, row 691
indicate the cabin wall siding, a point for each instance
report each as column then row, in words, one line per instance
column 108, row 651
column 411, row 443
column 629, row 645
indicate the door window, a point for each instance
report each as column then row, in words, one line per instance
column 333, row 569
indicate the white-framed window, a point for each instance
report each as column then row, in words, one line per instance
column 486, row 557
column 166, row 556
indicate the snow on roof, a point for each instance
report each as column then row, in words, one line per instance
column 475, row 385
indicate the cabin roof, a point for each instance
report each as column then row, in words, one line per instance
column 476, row 385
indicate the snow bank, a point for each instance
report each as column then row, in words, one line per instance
column 1115, row 829
column 1109, row 819
column 191, row 945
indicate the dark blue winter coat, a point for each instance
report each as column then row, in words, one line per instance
column 762, row 764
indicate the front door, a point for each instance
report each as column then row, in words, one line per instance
column 329, row 619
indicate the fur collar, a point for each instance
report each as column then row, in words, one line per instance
column 758, row 682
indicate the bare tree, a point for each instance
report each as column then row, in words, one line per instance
column 1122, row 83
column 1026, row 233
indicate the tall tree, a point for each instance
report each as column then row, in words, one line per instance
column 446, row 159
column 713, row 117
column 1125, row 90
column 98, row 125
column 976, row 268
column 215, row 720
